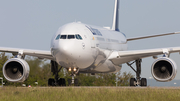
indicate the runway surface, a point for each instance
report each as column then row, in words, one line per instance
column 96, row 87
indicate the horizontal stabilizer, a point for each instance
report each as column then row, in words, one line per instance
column 151, row 36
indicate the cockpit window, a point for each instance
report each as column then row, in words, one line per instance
column 63, row 36
column 78, row 37
column 71, row 37
column 57, row 37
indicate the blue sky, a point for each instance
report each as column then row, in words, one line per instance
column 31, row 23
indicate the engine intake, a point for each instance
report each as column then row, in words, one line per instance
column 164, row 69
column 16, row 70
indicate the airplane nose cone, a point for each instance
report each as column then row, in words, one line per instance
column 74, row 54
column 67, row 49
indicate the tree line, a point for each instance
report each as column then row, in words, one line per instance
column 40, row 72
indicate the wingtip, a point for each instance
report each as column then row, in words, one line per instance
column 177, row 32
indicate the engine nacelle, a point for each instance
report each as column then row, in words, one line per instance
column 16, row 70
column 164, row 69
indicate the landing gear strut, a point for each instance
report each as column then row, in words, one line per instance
column 138, row 81
column 57, row 81
column 73, row 81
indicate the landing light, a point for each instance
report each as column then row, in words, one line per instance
column 69, row 69
column 74, row 69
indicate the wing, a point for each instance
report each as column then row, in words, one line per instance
column 151, row 36
column 120, row 57
column 36, row 53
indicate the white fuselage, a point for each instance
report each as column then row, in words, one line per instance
column 87, row 47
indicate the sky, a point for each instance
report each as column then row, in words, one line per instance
column 30, row 24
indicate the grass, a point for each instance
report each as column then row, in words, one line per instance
column 89, row 94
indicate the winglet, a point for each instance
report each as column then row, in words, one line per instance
column 115, row 25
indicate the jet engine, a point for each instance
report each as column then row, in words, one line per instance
column 16, row 70
column 164, row 69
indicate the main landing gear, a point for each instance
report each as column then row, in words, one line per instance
column 57, row 81
column 61, row 81
column 138, row 81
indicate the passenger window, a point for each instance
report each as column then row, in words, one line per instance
column 57, row 37
column 63, row 36
column 78, row 37
column 71, row 36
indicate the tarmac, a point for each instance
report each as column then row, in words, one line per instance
column 108, row 87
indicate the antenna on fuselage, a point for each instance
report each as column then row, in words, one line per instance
column 115, row 25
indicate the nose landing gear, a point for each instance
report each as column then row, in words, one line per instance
column 73, row 73
column 61, row 81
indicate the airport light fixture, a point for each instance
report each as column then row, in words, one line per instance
column 24, row 85
column 1, row 80
column 36, row 83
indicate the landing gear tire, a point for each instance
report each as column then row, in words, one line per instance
column 51, row 82
column 69, row 82
column 62, row 82
column 76, row 82
column 132, row 81
column 143, row 82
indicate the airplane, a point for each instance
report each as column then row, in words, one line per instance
column 83, row 48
